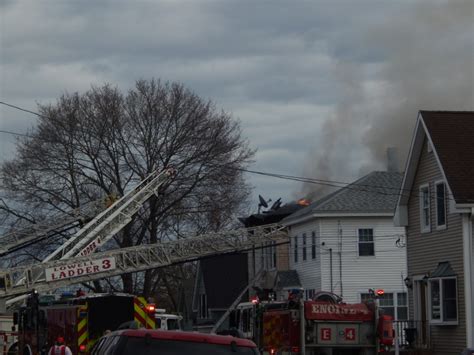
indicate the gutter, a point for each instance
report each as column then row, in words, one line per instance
column 311, row 216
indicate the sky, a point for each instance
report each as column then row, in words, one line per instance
column 321, row 88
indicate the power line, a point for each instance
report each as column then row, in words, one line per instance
column 16, row 134
column 22, row 109
column 324, row 182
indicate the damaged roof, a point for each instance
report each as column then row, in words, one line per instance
column 376, row 192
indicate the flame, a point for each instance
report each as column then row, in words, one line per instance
column 303, row 202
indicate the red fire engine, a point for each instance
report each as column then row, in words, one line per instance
column 324, row 325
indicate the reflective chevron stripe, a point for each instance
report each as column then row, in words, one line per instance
column 82, row 330
column 141, row 315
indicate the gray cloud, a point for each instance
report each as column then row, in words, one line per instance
column 316, row 85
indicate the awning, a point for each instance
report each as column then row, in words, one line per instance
column 443, row 270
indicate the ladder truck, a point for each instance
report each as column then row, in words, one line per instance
column 100, row 227
column 77, row 261
column 65, row 272
column 48, row 229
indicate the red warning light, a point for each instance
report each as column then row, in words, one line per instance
column 254, row 299
column 151, row 308
column 82, row 348
column 380, row 292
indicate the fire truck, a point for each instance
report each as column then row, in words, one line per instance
column 322, row 326
column 81, row 321
column 78, row 261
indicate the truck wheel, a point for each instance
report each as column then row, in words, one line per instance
column 13, row 349
column 27, row 350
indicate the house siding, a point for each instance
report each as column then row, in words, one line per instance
column 261, row 258
column 426, row 250
column 385, row 270
column 309, row 271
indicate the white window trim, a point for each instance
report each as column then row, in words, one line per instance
column 441, row 226
column 357, row 241
column 442, row 321
column 423, row 228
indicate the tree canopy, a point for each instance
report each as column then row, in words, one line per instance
column 103, row 142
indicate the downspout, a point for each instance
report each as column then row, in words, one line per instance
column 330, row 269
column 340, row 256
column 467, row 220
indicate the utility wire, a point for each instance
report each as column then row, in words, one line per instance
column 331, row 183
column 22, row 109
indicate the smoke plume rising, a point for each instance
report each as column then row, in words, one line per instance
column 427, row 63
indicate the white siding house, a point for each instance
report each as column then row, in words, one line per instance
column 347, row 243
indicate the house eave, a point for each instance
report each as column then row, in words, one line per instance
column 336, row 215
column 400, row 219
column 410, row 166
column 352, row 214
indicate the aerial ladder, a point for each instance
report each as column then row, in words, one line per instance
column 48, row 276
column 109, row 222
column 105, row 225
column 24, row 237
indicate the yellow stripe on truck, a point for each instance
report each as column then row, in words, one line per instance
column 82, row 331
column 141, row 315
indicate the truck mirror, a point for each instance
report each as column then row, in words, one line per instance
column 15, row 318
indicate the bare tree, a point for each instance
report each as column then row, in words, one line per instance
column 103, row 142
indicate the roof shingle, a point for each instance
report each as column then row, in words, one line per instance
column 452, row 134
column 376, row 192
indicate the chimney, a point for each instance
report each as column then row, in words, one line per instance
column 392, row 160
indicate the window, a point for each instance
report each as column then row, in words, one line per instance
column 313, row 245
column 304, row 246
column 310, row 293
column 295, row 246
column 202, row 306
column 393, row 304
column 425, row 208
column 366, row 242
column 387, row 304
column 440, row 205
column 402, row 306
column 443, row 300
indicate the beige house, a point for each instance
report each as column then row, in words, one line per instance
column 436, row 205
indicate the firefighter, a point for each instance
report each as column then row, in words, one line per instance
column 60, row 348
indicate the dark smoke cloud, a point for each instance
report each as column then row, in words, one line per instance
column 427, row 63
